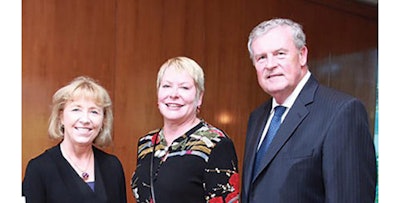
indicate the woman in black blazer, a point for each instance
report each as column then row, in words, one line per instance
column 76, row 170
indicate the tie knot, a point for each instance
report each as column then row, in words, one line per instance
column 279, row 110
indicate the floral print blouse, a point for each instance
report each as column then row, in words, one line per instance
column 200, row 166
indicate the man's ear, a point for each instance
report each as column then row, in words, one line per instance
column 303, row 56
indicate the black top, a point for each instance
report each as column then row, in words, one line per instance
column 50, row 178
column 199, row 166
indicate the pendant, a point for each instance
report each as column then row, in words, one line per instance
column 85, row 176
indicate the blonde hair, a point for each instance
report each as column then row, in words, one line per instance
column 85, row 87
column 183, row 63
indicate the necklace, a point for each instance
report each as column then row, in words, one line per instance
column 84, row 174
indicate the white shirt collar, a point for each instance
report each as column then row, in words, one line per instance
column 288, row 103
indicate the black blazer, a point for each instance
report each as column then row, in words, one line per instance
column 50, row 178
column 323, row 152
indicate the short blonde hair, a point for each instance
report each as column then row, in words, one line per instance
column 183, row 63
column 86, row 87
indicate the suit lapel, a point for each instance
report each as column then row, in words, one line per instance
column 294, row 117
column 258, row 130
column 255, row 131
column 284, row 133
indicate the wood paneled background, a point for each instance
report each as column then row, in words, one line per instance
column 122, row 44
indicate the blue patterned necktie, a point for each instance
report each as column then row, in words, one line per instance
column 273, row 127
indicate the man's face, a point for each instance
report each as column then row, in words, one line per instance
column 279, row 64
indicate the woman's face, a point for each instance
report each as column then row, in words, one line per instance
column 82, row 120
column 177, row 96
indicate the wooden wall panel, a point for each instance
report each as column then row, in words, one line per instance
column 122, row 43
column 61, row 40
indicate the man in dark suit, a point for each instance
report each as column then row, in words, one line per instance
column 323, row 150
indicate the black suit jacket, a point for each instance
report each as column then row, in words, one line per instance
column 323, row 152
column 50, row 178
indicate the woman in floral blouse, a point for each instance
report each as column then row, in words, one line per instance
column 187, row 160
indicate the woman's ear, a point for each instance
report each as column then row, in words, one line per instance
column 200, row 99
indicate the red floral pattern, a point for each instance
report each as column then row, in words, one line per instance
column 234, row 181
column 221, row 180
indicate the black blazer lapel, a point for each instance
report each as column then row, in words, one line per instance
column 73, row 182
column 100, row 191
